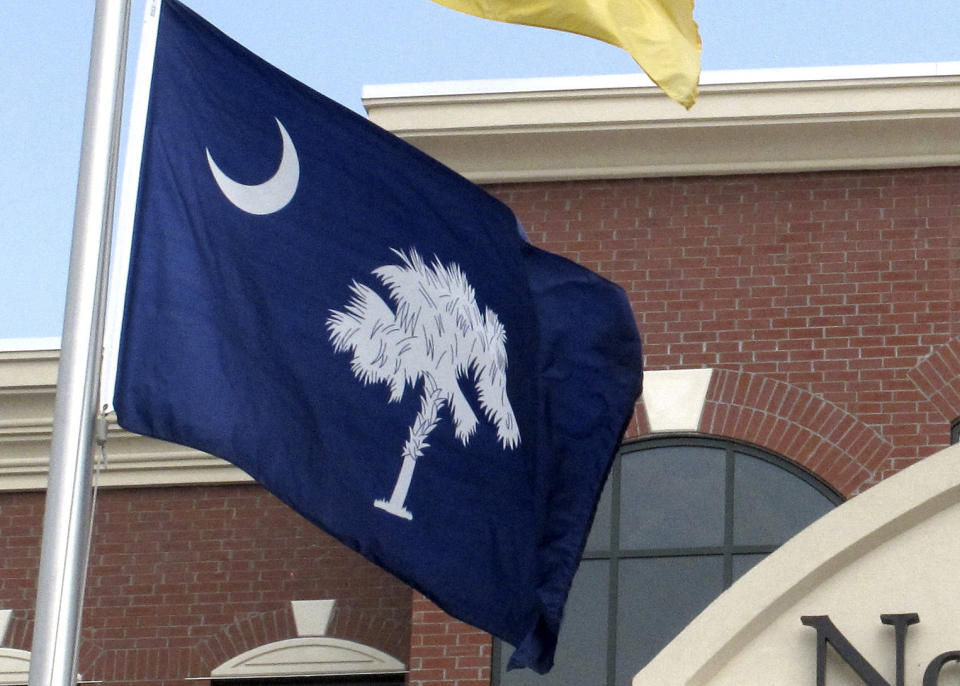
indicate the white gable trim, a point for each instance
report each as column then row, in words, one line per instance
column 14, row 666
column 313, row 655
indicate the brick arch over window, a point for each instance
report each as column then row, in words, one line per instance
column 245, row 632
column 19, row 632
column 17, row 636
column 937, row 377
column 830, row 442
column 366, row 627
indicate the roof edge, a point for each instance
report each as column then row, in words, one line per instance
column 640, row 80
column 768, row 121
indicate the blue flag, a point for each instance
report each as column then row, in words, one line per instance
column 368, row 335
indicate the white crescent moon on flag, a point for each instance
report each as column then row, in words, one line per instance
column 271, row 195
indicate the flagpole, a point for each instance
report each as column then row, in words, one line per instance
column 127, row 202
column 67, row 515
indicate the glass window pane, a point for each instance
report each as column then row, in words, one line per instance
column 672, row 497
column 770, row 504
column 582, row 648
column 657, row 598
column 599, row 538
column 743, row 563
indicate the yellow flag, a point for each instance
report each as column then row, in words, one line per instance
column 660, row 35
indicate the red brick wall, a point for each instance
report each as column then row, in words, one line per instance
column 444, row 651
column 21, row 522
column 182, row 579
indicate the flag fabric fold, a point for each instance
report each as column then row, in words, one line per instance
column 369, row 336
column 660, row 35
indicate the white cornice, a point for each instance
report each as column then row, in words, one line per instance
column 27, row 392
column 615, row 127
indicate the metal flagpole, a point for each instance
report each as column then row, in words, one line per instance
column 127, row 202
column 67, row 515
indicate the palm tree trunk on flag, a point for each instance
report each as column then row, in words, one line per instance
column 430, row 403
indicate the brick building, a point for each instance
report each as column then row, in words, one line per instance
column 790, row 248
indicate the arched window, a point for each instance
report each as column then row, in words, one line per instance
column 680, row 520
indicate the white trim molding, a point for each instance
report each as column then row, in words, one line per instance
column 312, row 617
column 14, row 666
column 674, row 398
column 28, row 380
column 758, row 121
column 313, row 655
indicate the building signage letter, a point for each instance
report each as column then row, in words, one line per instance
column 900, row 624
column 827, row 632
column 931, row 676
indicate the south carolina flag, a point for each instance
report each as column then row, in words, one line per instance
column 369, row 336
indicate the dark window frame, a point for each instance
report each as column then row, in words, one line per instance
column 728, row 550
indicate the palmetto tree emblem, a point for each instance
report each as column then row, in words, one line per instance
column 436, row 334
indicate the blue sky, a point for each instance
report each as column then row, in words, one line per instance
column 337, row 46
